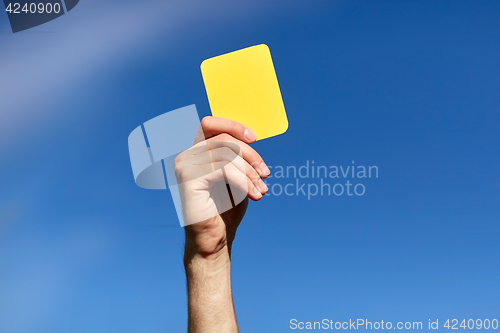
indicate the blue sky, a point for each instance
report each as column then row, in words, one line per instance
column 408, row 86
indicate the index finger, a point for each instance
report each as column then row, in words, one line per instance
column 213, row 126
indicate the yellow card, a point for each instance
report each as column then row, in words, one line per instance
column 242, row 86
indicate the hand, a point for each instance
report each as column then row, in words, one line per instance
column 204, row 168
column 221, row 155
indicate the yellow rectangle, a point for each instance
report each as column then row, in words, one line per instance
column 242, row 86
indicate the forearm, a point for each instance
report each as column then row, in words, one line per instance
column 210, row 303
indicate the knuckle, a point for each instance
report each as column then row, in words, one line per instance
column 224, row 137
column 178, row 165
column 253, row 176
column 255, row 156
column 255, row 164
column 178, row 160
column 237, row 127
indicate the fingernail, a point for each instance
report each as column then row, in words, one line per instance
column 250, row 135
column 264, row 169
column 256, row 192
column 263, row 186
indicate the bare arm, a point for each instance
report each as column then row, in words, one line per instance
column 210, row 303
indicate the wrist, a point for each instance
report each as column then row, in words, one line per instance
column 194, row 256
column 208, row 242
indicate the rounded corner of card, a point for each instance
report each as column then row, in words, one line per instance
column 203, row 65
column 284, row 127
column 264, row 46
